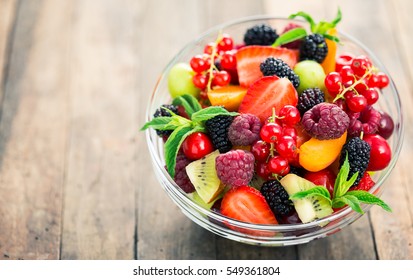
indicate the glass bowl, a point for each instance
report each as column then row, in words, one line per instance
column 266, row 235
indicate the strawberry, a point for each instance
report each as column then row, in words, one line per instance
column 247, row 204
column 268, row 93
column 365, row 184
column 249, row 59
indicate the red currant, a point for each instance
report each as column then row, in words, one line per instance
column 199, row 63
column 290, row 131
column 226, row 43
column 383, row 80
column 333, row 83
column 286, row 147
column 278, row 165
column 347, row 75
column 270, row 132
column 197, row 145
column 373, row 80
column 343, row 60
column 260, row 150
column 356, row 103
column 360, row 65
column 200, row 81
column 228, row 61
column 221, row 78
column 371, row 95
column 289, row 115
column 361, row 87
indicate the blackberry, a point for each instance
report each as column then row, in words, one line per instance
column 217, row 128
column 277, row 198
column 161, row 112
column 314, row 47
column 358, row 152
column 263, row 35
column 275, row 66
column 309, row 98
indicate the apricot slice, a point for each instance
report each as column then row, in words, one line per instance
column 315, row 155
column 229, row 96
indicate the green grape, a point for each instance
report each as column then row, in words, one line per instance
column 180, row 81
column 311, row 75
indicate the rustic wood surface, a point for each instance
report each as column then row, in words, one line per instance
column 75, row 178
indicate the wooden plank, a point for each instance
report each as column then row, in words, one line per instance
column 7, row 20
column 99, row 212
column 33, row 132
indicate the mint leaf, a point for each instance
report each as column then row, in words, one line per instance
column 349, row 200
column 307, row 17
column 290, row 36
column 368, row 198
column 172, row 146
column 157, row 123
column 315, row 191
column 342, row 185
column 210, row 112
column 189, row 102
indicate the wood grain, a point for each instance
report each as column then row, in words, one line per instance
column 99, row 201
column 33, row 132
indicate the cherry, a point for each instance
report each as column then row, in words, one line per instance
column 333, row 83
column 386, row 125
column 380, row 152
column 270, row 132
column 324, row 178
column 278, row 165
column 260, row 150
column 289, row 115
column 261, row 168
column 343, row 60
column 197, row 145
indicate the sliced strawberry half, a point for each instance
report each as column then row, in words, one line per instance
column 249, row 59
column 268, row 93
column 248, row 205
column 365, row 184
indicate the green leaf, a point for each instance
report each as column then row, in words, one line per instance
column 332, row 38
column 210, row 112
column 368, row 198
column 315, row 191
column 172, row 147
column 337, row 18
column 290, row 36
column 349, row 200
column 157, row 123
column 307, row 17
column 189, row 102
column 342, row 185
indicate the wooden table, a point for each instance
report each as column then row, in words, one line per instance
column 75, row 178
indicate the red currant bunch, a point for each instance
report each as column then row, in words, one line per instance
column 204, row 65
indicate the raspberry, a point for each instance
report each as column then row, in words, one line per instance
column 244, row 130
column 277, row 198
column 365, row 184
column 309, row 98
column 181, row 178
column 161, row 112
column 358, row 152
column 314, row 47
column 262, row 34
column 277, row 67
column 235, row 168
column 217, row 128
column 325, row 121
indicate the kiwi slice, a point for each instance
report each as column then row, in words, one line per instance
column 203, row 176
column 309, row 208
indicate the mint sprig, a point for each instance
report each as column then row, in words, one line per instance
column 183, row 127
column 298, row 33
column 342, row 195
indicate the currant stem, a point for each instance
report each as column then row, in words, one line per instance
column 213, row 54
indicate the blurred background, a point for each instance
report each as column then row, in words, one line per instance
column 75, row 177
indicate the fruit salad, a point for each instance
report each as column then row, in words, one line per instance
column 279, row 128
